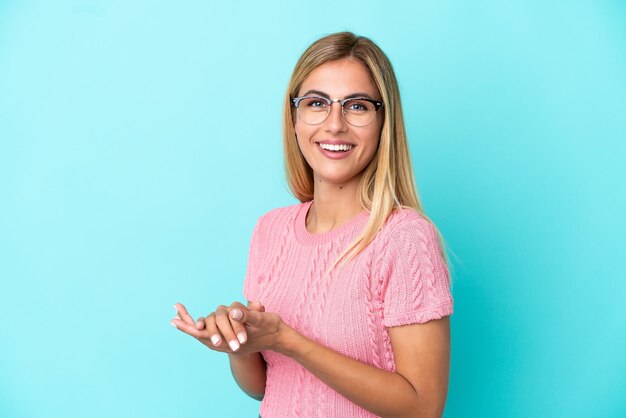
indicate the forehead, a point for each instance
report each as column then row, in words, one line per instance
column 340, row 79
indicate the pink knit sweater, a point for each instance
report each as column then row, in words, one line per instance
column 399, row 279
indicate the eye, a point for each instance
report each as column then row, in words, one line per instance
column 314, row 103
column 358, row 106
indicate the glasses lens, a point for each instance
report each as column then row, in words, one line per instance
column 313, row 110
column 359, row 112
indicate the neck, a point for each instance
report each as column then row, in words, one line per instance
column 333, row 205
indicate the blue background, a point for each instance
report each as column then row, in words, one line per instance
column 140, row 141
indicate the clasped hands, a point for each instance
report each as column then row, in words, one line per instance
column 234, row 329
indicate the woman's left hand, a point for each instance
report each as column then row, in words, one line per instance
column 262, row 330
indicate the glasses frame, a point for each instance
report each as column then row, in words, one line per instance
column 296, row 103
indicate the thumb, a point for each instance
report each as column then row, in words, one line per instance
column 256, row 305
column 246, row 316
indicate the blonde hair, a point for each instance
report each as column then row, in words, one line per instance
column 388, row 182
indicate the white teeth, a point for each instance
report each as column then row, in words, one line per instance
column 342, row 147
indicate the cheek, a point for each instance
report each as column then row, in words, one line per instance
column 303, row 140
column 373, row 138
column 297, row 130
column 373, row 141
column 297, row 127
column 303, row 133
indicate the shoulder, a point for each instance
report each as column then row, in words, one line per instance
column 405, row 223
column 278, row 216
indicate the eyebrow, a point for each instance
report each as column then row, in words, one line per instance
column 326, row 95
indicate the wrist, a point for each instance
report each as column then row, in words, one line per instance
column 243, row 357
column 289, row 341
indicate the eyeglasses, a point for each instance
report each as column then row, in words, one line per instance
column 357, row 111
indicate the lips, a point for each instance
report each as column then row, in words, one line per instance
column 334, row 145
column 335, row 155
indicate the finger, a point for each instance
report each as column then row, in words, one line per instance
column 212, row 331
column 200, row 335
column 238, row 328
column 200, row 323
column 189, row 329
column 256, row 305
column 182, row 312
column 225, row 327
column 247, row 316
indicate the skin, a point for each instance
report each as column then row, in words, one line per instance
column 336, row 181
column 419, row 386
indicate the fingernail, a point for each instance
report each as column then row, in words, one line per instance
column 177, row 317
column 174, row 325
column 198, row 323
column 234, row 345
column 237, row 314
column 215, row 339
column 176, row 307
column 241, row 337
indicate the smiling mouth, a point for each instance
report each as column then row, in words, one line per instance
column 335, row 148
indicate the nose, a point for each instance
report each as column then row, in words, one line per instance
column 335, row 122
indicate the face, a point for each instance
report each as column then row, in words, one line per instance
column 338, row 80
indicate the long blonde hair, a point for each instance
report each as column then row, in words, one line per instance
column 388, row 182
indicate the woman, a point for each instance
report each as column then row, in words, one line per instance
column 348, row 292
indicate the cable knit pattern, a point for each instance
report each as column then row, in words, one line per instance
column 399, row 279
column 371, row 315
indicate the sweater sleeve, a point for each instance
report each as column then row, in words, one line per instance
column 250, row 283
column 417, row 282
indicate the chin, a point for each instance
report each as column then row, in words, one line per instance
column 338, row 180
